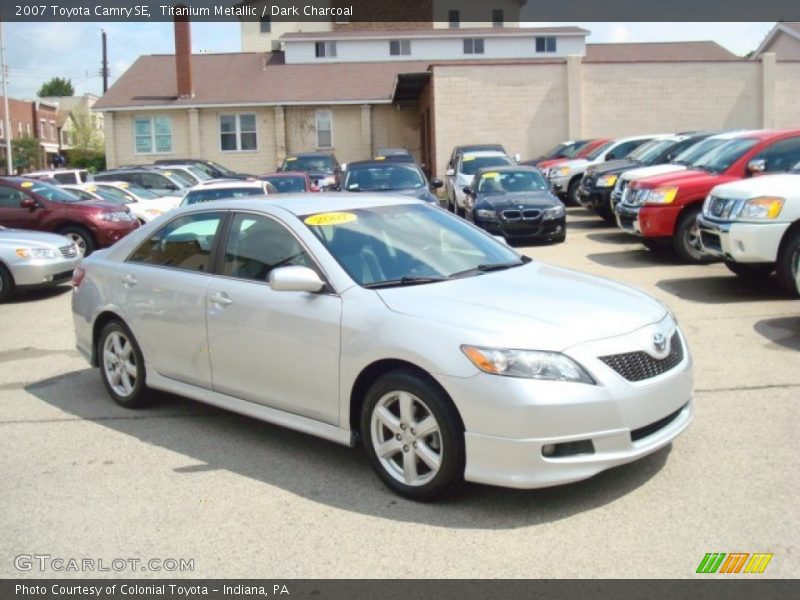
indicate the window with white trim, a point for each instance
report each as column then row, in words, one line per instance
column 237, row 133
column 324, row 126
column 325, row 49
column 152, row 135
column 545, row 44
column 399, row 47
column 43, row 129
column 473, row 45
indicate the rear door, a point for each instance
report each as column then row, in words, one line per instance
column 280, row 349
column 163, row 288
column 12, row 215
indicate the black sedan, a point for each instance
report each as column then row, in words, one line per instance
column 322, row 167
column 396, row 177
column 515, row 202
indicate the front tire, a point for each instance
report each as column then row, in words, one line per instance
column 686, row 241
column 82, row 238
column 750, row 271
column 122, row 366
column 6, row 284
column 788, row 264
column 413, row 436
column 572, row 192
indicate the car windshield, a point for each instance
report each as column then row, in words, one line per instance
column 198, row 173
column 286, row 185
column 599, row 150
column 697, row 151
column 197, row 196
column 722, row 157
column 558, row 150
column 385, row 177
column 650, row 151
column 182, row 179
column 308, row 164
column 51, row 192
column 215, row 165
column 119, row 200
column 408, row 244
column 510, row 182
column 471, row 164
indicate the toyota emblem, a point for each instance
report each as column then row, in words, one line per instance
column 660, row 343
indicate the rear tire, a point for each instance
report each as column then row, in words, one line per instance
column 572, row 192
column 122, row 366
column 750, row 271
column 413, row 436
column 686, row 241
column 81, row 237
column 789, row 263
column 6, row 284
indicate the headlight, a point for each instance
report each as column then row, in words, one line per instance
column 559, row 172
column 154, row 212
column 117, row 216
column 486, row 214
column 761, row 208
column 662, row 195
column 34, row 253
column 606, row 181
column 555, row 212
column 528, row 364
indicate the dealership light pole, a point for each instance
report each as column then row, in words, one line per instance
column 6, row 119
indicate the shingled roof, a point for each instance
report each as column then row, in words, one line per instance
column 658, row 52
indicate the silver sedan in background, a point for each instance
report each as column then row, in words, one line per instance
column 381, row 320
column 32, row 259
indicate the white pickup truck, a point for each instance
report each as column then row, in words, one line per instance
column 754, row 226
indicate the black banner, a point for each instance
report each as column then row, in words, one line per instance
column 395, row 11
column 703, row 587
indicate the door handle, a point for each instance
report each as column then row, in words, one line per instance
column 220, row 298
column 129, row 280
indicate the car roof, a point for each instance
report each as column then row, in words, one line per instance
column 307, row 204
column 387, row 151
column 302, row 174
column 308, row 154
column 477, row 147
column 48, row 171
column 379, row 163
column 506, row 168
column 480, row 153
column 225, row 185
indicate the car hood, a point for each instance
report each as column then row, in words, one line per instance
column 651, row 171
column 575, row 164
column 613, row 166
column 516, row 200
column 784, row 185
column 536, row 306
column 686, row 177
column 33, row 238
column 419, row 193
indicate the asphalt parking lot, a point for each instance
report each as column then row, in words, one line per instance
column 83, row 478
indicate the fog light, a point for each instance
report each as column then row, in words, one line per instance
column 548, row 449
column 568, row 449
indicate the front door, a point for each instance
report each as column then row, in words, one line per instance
column 280, row 349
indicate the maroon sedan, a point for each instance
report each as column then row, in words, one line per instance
column 30, row 204
column 290, row 182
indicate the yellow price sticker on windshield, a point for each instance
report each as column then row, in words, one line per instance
column 123, row 185
column 167, row 173
column 91, row 188
column 380, row 158
column 467, row 158
column 332, row 218
column 291, row 158
column 26, row 184
column 490, row 175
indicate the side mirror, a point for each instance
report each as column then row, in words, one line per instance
column 342, row 168
column 557, row 187
column 28, row 203
column 758, row 165
column 451, row 172
column 517, row 157
column 467, row 190
column 436, row 183
column 295, row 279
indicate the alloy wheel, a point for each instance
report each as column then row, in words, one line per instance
column 80, row 242
column 119, row 363
column 406, row 438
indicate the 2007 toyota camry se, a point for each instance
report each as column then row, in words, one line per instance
column 387, row 321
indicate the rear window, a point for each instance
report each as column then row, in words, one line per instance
column 198, row 196
column 470, row 164
column 287, row 185
column 308, row 163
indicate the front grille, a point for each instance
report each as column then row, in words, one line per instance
column 70, row 251
column 528, row 214
column 720, row 208
column 647, row 430
column 710, row 241
column 638, row 366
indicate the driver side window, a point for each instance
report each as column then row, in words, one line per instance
column 10, row 197
column 256, row 245
column 782, row 155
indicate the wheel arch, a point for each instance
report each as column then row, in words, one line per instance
column 792, row 230
column 372, row 372
column 102, row 319
column 62, row 225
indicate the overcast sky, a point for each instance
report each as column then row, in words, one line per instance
column 35, row 52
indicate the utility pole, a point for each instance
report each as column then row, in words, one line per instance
column 104, row 71
column 6, row 116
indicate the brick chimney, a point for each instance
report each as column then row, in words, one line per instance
column 183, row 55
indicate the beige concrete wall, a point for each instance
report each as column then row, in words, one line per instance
column 395, row 128
column 120, row 138
column 632, row 98
column 347, row 139
column 787, row 94
column 523, row 107
column 785, row 47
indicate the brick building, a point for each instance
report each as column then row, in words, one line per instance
column 30, row 118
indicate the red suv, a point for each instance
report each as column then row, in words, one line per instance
column 663, row 209
column 30, row 204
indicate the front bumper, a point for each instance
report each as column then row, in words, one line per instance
column 628, row 218
column 595, row 199
column 563, row 182
column 42, row 272
column 509, row 421
column 742, row 242
column 112, row 231
column 548, row 229
column 647, row 221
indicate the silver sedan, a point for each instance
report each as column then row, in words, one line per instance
column 391, row 323
column 32, row 259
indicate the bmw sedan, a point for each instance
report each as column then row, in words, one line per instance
column 388, row 322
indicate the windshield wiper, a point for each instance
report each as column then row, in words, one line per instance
column 403, row 281
column 485, row 268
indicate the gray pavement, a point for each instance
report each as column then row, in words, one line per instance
column 83, row 478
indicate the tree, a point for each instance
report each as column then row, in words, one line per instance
column 86, row 142
column 26, row 152
column 57, row 86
